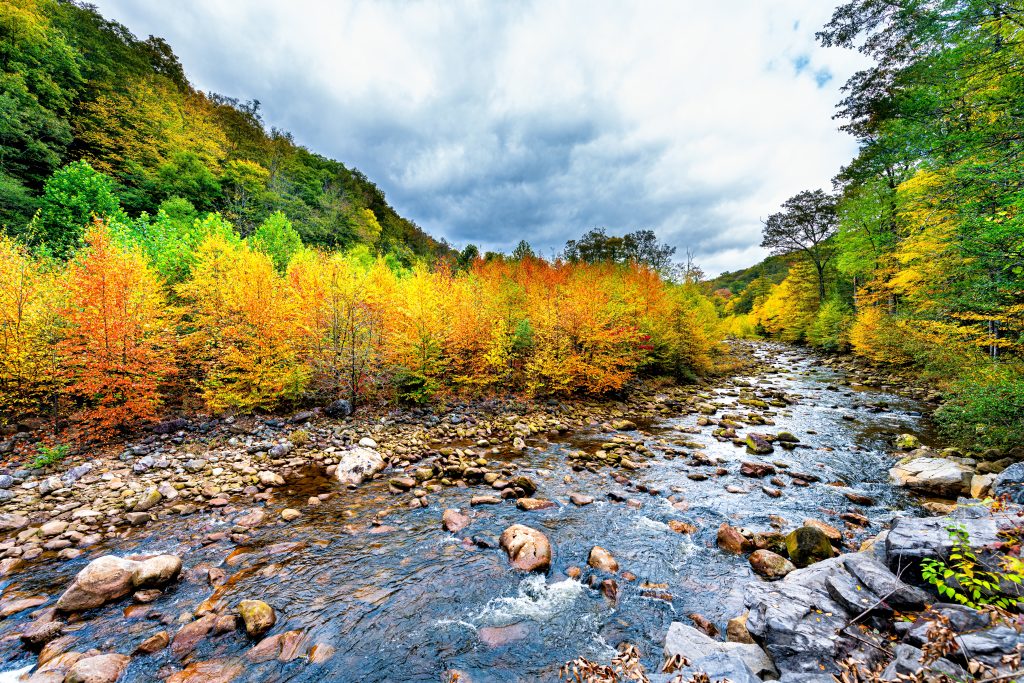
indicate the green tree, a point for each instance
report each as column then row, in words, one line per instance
column 72, row 197
column 277, row 239
column 805, row 225
column 522, row 251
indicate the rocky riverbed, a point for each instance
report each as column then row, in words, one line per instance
column 486, row 542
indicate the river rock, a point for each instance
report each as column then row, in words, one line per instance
column 907, row 662
column 717, row 666
column 454, row 521
column 290, row 514
column 107, row 579
column 732, row 541
column 736, row 630
column 808, row 545
column 357, row 464
column 190, row 635
column 337, row 409
column 602, row 560
column 527, row 548
column 981, row 485
column 39, row 633
column 580, row 499
column 149, row 500
column 694, row 645
column 258, row 616
column 756, row 469
column 98, row 669
column 211, row 671
column 533, row 504
column 770, row 565
column 907, row 442
column 758, row 444
column 156, row 571
column 883, row 583
column 933, row 476
column 156, row 642
column 798, row 622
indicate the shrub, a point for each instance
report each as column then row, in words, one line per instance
column 987, row 408
column 49, row 456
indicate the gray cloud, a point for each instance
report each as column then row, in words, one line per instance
column 491, row 122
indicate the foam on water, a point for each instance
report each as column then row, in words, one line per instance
column 535, row 599
column 16, row 675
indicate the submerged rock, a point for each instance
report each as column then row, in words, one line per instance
column 602, row 560
column 98, row 669
column 454, row 521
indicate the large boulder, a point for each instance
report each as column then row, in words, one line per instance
column 879, row 580
column 933, row 476
column 807, row 545
column 109, row 577
column 717, row 666
column 694, row 645
column 527, row 548
column 907, row 662
column 799, row 624
column 1010, row 482
column 358, row 464
column 912, row 539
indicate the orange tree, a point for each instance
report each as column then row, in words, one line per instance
column 119, row 346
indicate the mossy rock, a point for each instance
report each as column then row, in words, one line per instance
column 808, row 545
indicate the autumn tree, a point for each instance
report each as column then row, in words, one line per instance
column 805, row 224
column 120, row 340
column 341, row 325
column 30, row 328
column 242, row 328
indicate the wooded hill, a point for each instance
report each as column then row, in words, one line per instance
column 76, row 86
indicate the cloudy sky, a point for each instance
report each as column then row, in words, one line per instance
column 489, row 122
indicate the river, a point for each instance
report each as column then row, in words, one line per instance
column 404, row 600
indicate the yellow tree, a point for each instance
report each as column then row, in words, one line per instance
column 30, row 327
column 341, row 327
column 242, row 328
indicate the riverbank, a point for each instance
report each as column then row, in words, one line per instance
column 256, row 510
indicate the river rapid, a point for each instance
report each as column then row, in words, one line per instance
column 398, row 598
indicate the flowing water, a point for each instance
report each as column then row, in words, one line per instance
column 407, row 601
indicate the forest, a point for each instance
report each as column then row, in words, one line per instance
column 915, row 258
column 164, row 251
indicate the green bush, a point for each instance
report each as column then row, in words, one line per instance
column 986, row 409
column 49, row 456
column 830, row 329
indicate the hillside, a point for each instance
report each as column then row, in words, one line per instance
column 80, row 87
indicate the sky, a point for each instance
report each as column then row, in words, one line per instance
column 491, row 122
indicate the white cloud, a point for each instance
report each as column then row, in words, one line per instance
column 488, row 122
